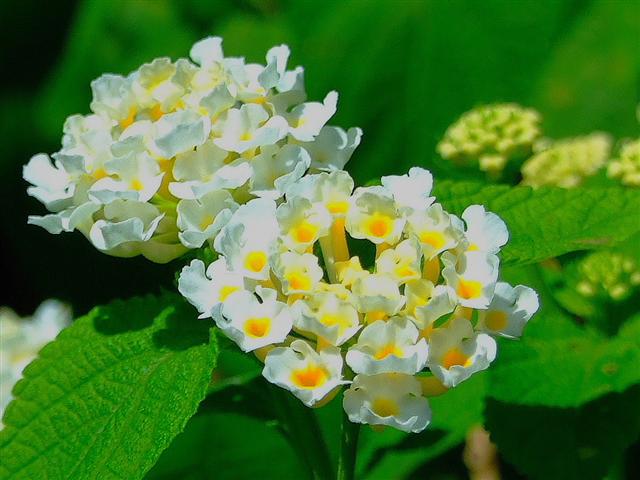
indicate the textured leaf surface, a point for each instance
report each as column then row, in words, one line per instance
column 109, row 394
column 548, row 222
column 584, row 443
column 228, row 446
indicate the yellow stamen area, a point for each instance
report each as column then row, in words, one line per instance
column 435, row 239
column 156, row 112
column 331, row 319
column 126, row 122
column 455, row 357
column 305, row 232
column 473, row 248
column 256, row 261
column 338, row 207
column 137, row 185
column 257, row 327
column 246, row 136
column 371, row 317
column 405, row 271
column 99, row 173
column 385, row 407
column 431, row 270
column 226, row 291
column 310, row 377
column 496, row 320
column 206, row 222
column 300, row 122
column 379, row 225
column 389, row 349
column 299, row 281
column 469, row 289
column 427, row 331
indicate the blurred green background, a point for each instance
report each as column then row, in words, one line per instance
column 404, row 70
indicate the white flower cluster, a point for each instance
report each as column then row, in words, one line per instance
column 172, row 149
column 626, row 167
column 22, row 338
column 424, row 307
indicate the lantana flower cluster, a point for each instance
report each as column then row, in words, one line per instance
column 626, row 166
column 609, row 274
column 418, row 305
column 172, row 149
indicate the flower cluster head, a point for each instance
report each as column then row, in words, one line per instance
column 22, row 338
column 171, row 150
column 609, row 274
column 420, row 301
column 566, row 163
column 627, row 166
column 491, row 135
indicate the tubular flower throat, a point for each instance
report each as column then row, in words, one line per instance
column 422, row 311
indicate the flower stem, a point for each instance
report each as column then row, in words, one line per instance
column 304, row 434
column 348, row 449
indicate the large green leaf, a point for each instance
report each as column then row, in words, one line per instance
column 584, row 443
column 228, row 446
column 109, row 394
column 549, row 221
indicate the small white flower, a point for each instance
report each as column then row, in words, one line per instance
column 253, row 324
column 434, row 229
column 374, row 216
column 402, row 263
column 301, row 225
column 333, row 147
column 200, row 220
column 330, row 190
column 179, row 132
column 250, row 127
column 306, row 120
column 275, row 170
column 207, row 291
column 509, row 310
column 472, row 276
column 411, row 192
column 456, row 352
column 377, row 294
column 392, row 399
column 388, row 346
column 328, row 316
column 298, row 273
column 308, row 374
column 485, row 231
column 52, row 184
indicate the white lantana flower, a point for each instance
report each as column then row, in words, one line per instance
column 509, row 311
column 388, row 346
column 472, row 276
column 308, row 374
column 200, row 220
column 22, row 338
column 411, row 192
column 253, row 324
column 374, row 216
column 173, row 131
column 456, row 352
column 485, row 231
column 392, row 399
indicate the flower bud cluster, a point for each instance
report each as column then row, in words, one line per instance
column 423, row 308
column 491, row 135
column 627, row 166
column 22, row 338
column 174, row 144
column 567, row 163
column 612, row 274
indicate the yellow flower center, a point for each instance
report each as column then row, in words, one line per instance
column 156, row 112
column 469, row 289
column 257, row 327
column 310, row 377
column 338, row 207
column 304, row 233
column 99, row 173
column 385, row 407
column 455, row 357
column 206, row 222
column 435, row 239
column 256, row 261
column 226, row 291
column 380, row 225
column 496, row 320
column 389, row 349
column 126, row 122
column 299, row 281
column 246, row 136
column 137, row 185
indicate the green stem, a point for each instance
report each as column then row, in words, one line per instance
column 304, row 433
column 348, row 449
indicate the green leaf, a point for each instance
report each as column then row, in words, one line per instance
column 228, row 446
column 582, row 443
column 109, row 394
column 564, row 372
column 548, row 222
